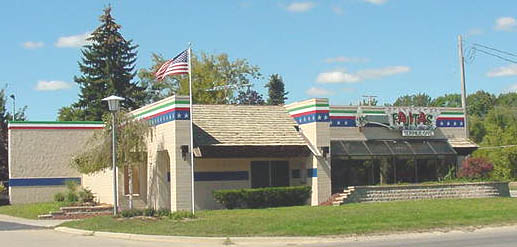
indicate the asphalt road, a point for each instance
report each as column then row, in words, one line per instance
column 14, row 235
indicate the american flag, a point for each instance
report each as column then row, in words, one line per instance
column 176, row 66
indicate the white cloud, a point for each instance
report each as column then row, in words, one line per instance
column 300, row 6
column 73, row 41
column 382, row 72
column 342, row 59
column 337, row 76
column 376, row 2
column 341, row 76
column 32, row 45
column 52, row 85
column 338, row 10
column 505, row 24
column 510, row 70
column 316, row 91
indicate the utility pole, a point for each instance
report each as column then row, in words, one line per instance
column 463, row 90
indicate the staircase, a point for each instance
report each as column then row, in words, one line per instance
column 78, row 212
column 420, row 192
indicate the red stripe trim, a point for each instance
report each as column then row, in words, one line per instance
column 450, row 118
column 309, row 112
column 167, row 111
column 342, row 117
column 52, row 128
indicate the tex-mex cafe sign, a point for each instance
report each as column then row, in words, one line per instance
column 413, row 121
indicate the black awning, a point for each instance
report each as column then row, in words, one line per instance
column 391, row 148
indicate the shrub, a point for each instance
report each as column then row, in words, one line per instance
column 71, row 185
column 163, row 212
column 131, row 213
column 2, row 187
column 475, row 168
column 263, row 197
column 179, row 215
column 59, row 197
column 71, row 196
column 149, row 212
column 86, row 195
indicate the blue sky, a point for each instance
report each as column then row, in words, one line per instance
column 340, row 49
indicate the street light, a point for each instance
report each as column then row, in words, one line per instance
column 114, row 107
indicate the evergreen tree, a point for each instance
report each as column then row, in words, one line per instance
column 107, row 68
column 5, row 117
column 276, row 90
column 249, row 97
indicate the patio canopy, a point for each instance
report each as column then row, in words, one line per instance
column 347, row 149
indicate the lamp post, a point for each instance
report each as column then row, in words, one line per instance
column 114, row 107
column 14, row 105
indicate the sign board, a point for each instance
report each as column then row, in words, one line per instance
column 413, row 121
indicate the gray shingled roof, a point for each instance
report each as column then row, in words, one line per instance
column 244, row 125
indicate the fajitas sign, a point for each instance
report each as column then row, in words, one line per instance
column 413, row 121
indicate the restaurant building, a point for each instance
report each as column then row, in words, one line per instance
column 248, row 146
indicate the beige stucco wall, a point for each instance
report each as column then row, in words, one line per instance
column 101, row 184
column 42, row 153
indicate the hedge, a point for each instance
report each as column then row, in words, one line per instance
column 263, row 197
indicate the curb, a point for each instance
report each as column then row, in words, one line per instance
column 206, row 240
column 264, row 241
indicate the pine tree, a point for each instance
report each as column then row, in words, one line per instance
column 276, row 90
column 107, row 68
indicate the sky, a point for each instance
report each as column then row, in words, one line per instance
column 340, row 49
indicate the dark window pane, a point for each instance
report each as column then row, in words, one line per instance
column 279, row 173
column 421, row 147
column 259, row 174
column 378, row 147
column 399, row 147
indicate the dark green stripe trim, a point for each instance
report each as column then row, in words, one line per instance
column 56, row 122
column 343, row 111
column 164, row 105
column 375, row 112
column 308, row 106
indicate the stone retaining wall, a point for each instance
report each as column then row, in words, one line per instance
column 418, row 192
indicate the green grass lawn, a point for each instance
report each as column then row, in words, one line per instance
column 311, row 221
column 30, row 211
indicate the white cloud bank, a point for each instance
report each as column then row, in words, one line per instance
column 73, row 41
column 376, row 2
column 52, row 85
column 505, row 24
column 300, row 6
column 32, row 45
column 510, row 70
column 342, row 76
column 316, row 91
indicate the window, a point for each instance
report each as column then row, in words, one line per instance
column 135, row 177
column 269, row 174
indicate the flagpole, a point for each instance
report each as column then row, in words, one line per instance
column 191, row 123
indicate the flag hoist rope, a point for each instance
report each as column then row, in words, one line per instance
column 191, row 125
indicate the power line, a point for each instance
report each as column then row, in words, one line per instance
column 495, row 55
column 494, row 49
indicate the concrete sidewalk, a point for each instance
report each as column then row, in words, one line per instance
column 39, row 223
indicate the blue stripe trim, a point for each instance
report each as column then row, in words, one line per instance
column 342, row 123
column 312, row 172
column 221, row 176
column 169, row 117
column 22, row 182
column 311, row 118
column 446, row 123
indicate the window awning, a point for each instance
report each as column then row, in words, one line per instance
column 391, row 148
